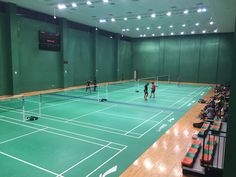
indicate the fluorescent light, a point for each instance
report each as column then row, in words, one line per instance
column 89, row 3
column 204, row 31
column 192, row 32
column 183, row 25
column 168, row 13
column 73, row 4
column 105, row 1
column 153, row 34
column 159, row 27
column 137, row 29
column 153, row 15
column 162, row 34
column 113, row 19
column 216, row 30
column 139, row 17
column 171, row 33
column 148, row 28
column 201, row 10
column 186, row 11
column 171, row 26
column 182, row 33
column 211, row 22
column 197, row 24
column 61, row 6
column 125, row 18
column 102, row 20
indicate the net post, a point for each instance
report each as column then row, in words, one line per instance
column 23, row 108
column 40, row 104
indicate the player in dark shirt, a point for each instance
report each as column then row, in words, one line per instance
column 88, row 86
column 94, row 85
column 146, row 91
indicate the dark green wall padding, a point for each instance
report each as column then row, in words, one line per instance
column 186, row 57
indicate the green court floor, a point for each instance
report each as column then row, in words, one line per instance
column 78, row 137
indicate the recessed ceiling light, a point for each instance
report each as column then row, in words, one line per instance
column 211, row 22
column 192, row 32
column 171, row 26
column 162, row 34
column 153, row 34
column 148, row 28
column 73, row 4
column 113, row 19
column 144, row 35
column 186, row 12
column 171, row 33
column 123, row 30
column 105, row 1
column 204, row 31
column 61, row 6
column 204, row 10
column 125, row 18
column 183, row 25
column 102, row 20
column 199, row 10
column 89, row 3
column 168, row 13
column 139, row 17
column 153, row 15
column 137, row 29
column 216, row 30
column 127, row 29
column 182, row 33
column 197, row 24
column 159, row 27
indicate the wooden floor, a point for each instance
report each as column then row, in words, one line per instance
column 163, row 158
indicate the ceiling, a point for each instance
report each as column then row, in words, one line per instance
column 221, row 12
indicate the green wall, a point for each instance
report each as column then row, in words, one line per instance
column 39, row 69
column 187, row 57
column 5, row 63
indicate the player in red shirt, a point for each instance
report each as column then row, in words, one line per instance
column 153, row 90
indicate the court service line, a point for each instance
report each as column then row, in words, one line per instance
column 59, row 134
column 65, row 131
column 176, row 102
column 30, row 164
column 73, row 166
column 106, row 162
column 60, row 119
column 21, row 136
column 156, row 124
column 144, row 122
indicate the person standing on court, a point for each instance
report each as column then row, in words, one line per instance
column 88, row 86
column 146, row 91
column 153, row 90
column 94, row 85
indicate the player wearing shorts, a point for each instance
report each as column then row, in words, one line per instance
column 153, row 90
column 146, row 91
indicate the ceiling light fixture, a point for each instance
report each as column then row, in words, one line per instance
column 216, row 30
column 74, row 5
column 168, row 13
column 186, row 11
column 125, row 18
column 183, row 25
column 148, row 28
column 123, row 30
column 192, row 32
column 102, row 20
column 144, row 35
column 141, row 35
column 113, row 19
column 211, row 22
column 197, row 24
column 162, row 34
column 105, row 1
column 153, row 15
column 204, row 31
column 153, row 35
column 171, row 33
column 182, row 33
column 159, row 27
column 61, row 6
column 137, row 29
column 127, row 29
column 139, row 17
column 89, row 3
column 171, row 26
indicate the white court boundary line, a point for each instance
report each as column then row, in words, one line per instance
column 30, row 164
